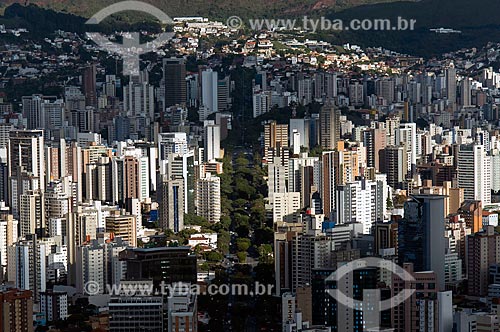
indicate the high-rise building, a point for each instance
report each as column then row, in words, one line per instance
column 167, row 264
column 325, row 86
column 54, row 305
column 5, row 129
column 27, row 266
column 182, row 313
column 451, row 84
column 174, row 79
column 419, row 312
column 57, row 200
column 138, row 100
column 261, row 102
column 483, row 250
column 136, row 313
column 285, row 206
column 224, row 89
column 8, row 236
column 43, row 112
column 89, row 82
column 394, row 165
column 32, row 214
column 109, row 88
column 209, row 92
column 360, row 201
column 474, row 173
column 302, row 126
column 90, row 263
column 26, row 162
column 421, row 234
column 208, row 198
column 375, row 141
column 123, row 226
column 171, row 203
column 98, row 261
column 465, row 92
column 328, row 183
column 169, row 143
column 131, row 178
column 406, row 136
column 98, row 180
column 385, row 88
column 276, row 181
column 32, row 111
column 16, row 311
column 386, row 236
column 182, row 166
column 327, row 311
column 472, row 213
column 329, row 120
column 212, row 143
column 275, row 141
column 83, row 119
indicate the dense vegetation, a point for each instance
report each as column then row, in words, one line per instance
column 473, row 18
column 214, row 9
column 40, row 21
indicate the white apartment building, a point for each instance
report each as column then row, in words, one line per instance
column 474, row 173
column 208, row 198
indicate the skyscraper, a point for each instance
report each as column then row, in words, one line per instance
column 8, row 235
column 27, row 266
column 421, row 234
column 123, row 226
column 275, row 141
column 171, row 203
column 420, row 311
column 169, row 143
column 451, row 84
column 98, row 261
column 212, row 143
column 406, row 136
column 16, row 311
column 26, row 164
column 209, row 95
column 360, row 201
column 32, row 214
column 465, row 92
column 43, row 112
column 394, row 165
column 174, row 77
column 329, row 119
column 474, row 173
column 224, row 101
column 375, row 141
column 138, row 100
column 89, row 82
column 54, row 305
column 483, row 250
column 208, row 198
column 328, row 183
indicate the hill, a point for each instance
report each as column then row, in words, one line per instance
column 475, row 19
column 207, row 8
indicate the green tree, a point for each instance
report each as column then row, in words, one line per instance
column 243, row 244
column 242, row 256
column 213, row 256
column 265, row 253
